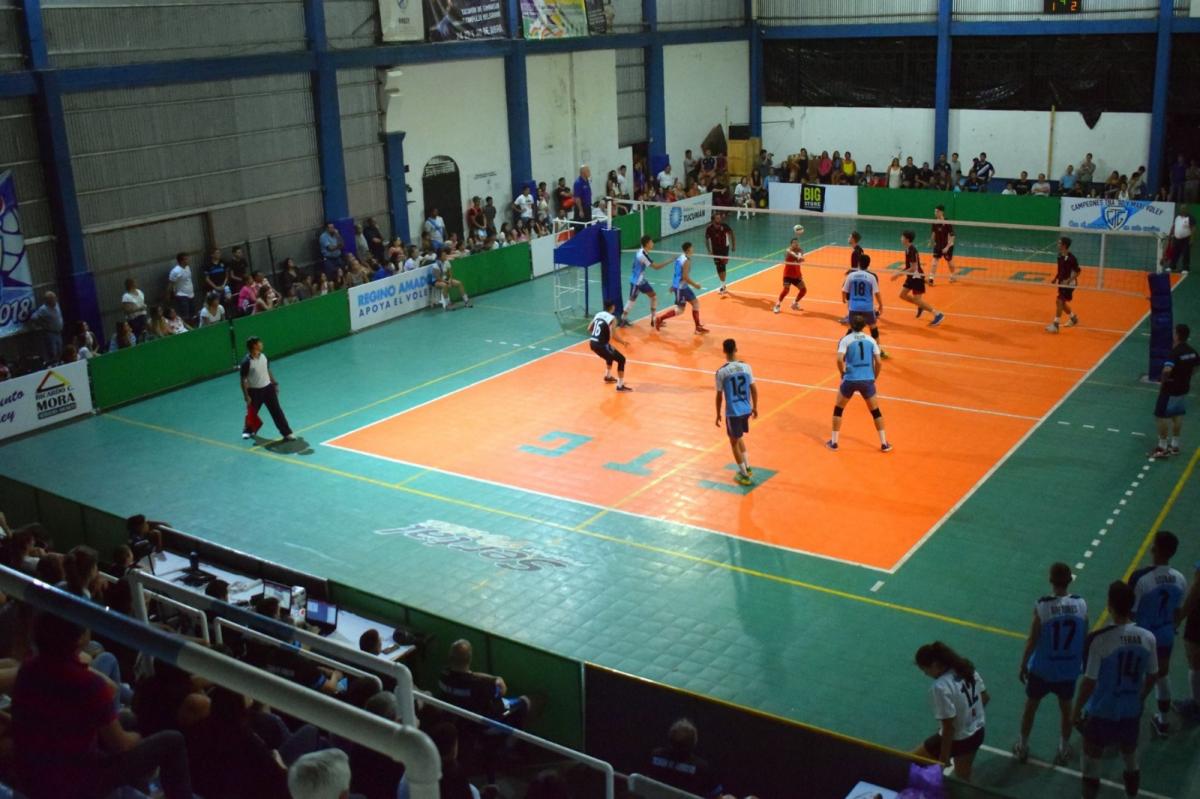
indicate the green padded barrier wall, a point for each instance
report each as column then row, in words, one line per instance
column 165, row 363
column 533, row 672
column 103, row 532
column 913, row 203
column 443, row 632
column 631, row 230
column 18, row 501
column 1006, row 208
column 494, row 269
column 296, row 327
column 63, row 518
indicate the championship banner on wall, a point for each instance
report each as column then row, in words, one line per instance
column 454, row 20
column 686, row 214
column 1093, row 213
column 44, row 398
column 381, row 300
column 401, row 20
column 553, row 19
column 16, row 282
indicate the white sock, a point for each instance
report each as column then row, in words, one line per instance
column 834, row 437
column 1194, row 681
column 620, row 381
column 882, row 436
column 1162, row 690
column 746, row 466
column 1175, row 441
column 466, row 299
column 1162, row 443
column 607, row 373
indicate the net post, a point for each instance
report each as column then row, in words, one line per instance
column 641, row 220
column 1103, row 251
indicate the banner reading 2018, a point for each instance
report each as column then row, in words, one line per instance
column 16, row 282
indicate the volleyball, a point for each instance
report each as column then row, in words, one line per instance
column 798, row 230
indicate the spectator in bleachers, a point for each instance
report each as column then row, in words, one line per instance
column 836, row 175
column 68, row 741
column 239, row 270
column 133, row 305
column 867, row 177
column 332, row 248
column 1041, row 187
column 924, row 176
column 1178, row 177
column 1112, row 186
column 84, row 340
column 320, row 775
column 489, row 214
column 179, row 280
column 622, row 182
column 895, row 175
column 21, row 550
column 47, row 323
column 434, row 227
column 691, row 168
column 562, row 196
column 678, row 765
column 474, row 218
column 665, row 179
column 360, row 242
column 1137, row 183
column 956, row 170
column 376, row 243
column 825, row 167
column 453, row 784
column 123, row 338
column 374, row 775
column 908, row 174
column 212, row 312
column 542, row 211
column 478, row 692
column 523, row 205
column 228, row 759
column 1009, row 189
column 849, row 170
column 291, row 282
column 1086, row 173
column 216, row 274
column 82, row 569
column 1022, row 185
column 984, row 172
column 1068, row 183
column 370, row 642
column 173, row 323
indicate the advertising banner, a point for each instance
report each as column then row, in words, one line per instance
column 542, row 251
column 813, row 197
column 392, row 297
column 44, row 398
column 16, row 282
column 401, row 20
column 1093, row 213
column 597, row 17
column 454, row 20
column 686, row 214
column 553, row 19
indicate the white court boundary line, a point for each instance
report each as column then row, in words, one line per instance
column 793, row 384
column 1069, row 771
column 1021, row 441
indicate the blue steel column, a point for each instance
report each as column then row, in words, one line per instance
column 328, row 115
column 656, row 93
column 516, row 83
column 941, row 99
column 393, row 153
column 1158, row 160
column 77, row 285
column 756, row 75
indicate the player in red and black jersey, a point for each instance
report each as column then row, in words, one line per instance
column 720, row 241
column 1066, row 279
column 792, row 276
column 856, row 253
column 914, row 280
column 941, row 238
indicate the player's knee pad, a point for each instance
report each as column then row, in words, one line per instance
column 876, row 413
column 838, row 411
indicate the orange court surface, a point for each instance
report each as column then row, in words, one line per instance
column 956, row 400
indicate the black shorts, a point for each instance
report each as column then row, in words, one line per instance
column 1066, row 294
column 915, row 284
column 737, row 426
column 1037, row 688
column 1191, row 628
column 967, row 746
column 1168, row 406
column 798, row 282
column 947, row 253
column 608, row 353
column 1103, row 733
column 721, row 259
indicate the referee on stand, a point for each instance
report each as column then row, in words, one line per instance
column 259, row 388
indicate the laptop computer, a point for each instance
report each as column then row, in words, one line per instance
column 323, row 616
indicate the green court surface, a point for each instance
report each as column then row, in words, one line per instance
column 826, row 643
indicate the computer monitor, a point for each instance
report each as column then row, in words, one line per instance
column 322, row 615
column 281, row 592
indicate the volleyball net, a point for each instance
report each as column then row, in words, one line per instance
column 984, row 252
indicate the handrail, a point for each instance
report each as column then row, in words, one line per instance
column 401, row 742
column 395, row 670
column 187, row 610
column 657, row 790
column 305, row 653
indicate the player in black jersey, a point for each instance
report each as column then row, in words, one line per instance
column 603, row 331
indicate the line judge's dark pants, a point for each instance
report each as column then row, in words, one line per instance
column 270, row 397
column 1181, row 252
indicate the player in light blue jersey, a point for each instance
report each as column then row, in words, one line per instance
column 735, row 385
column 1053, row 659
column 682, row 285
column 1121, row 665
column 638, row 283
column 859, row 363
column 1158, row 592
column 860, row 292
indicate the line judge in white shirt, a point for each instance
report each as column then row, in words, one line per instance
column 259, row 388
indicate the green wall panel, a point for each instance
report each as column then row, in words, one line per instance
column 494, row 269
column 913, row 203
column 63, row 518
column 556, row 684
column 18, row 502
column 1010, row 209
column 104, row 532
column 430, row 663
column 166, row 363
column 295, row 327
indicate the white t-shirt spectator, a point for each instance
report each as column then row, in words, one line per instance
column 524, row 204
column 741, row 194
column 136, row 299
column 180, row 279
column 1041, row 188
column 1182, row 228
column 621, row 185
column 952, row 699
column 209, row 317
column 665, row 179
column 410, row 264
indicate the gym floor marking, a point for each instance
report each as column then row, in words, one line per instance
column 551, row 427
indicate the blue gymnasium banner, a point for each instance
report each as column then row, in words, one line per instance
column 16, row 282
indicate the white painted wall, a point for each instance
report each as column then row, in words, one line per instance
column 456, row 108
column 1013, row 140
column 706, row 85
column 573, row 116
column 873, row 135
column 1016, row 140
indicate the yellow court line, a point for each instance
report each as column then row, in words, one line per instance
column 730, row 567
column 1162, row 517
column 426, row 384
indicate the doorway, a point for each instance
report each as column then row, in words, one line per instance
column 443, row 190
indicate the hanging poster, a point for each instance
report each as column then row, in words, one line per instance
column 455, row 20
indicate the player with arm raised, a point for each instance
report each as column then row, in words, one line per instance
column 1067, row 278
column 603, row 331
column 682, row 285
column 720, row 240
column 735, row 385
column 792, row 276
column 860, row 292
column 914, row 280
column 941, row 238
column 638, row 283
column 859, row 364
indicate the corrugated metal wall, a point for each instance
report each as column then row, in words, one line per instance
column 627, row 15
column 366, row 169
column 1012, row 10
column 238, row 158
column 11, row 55
column 700, row 13
column 835, row 12
column 100, row 32
column 352, row 23
column 631, row 96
